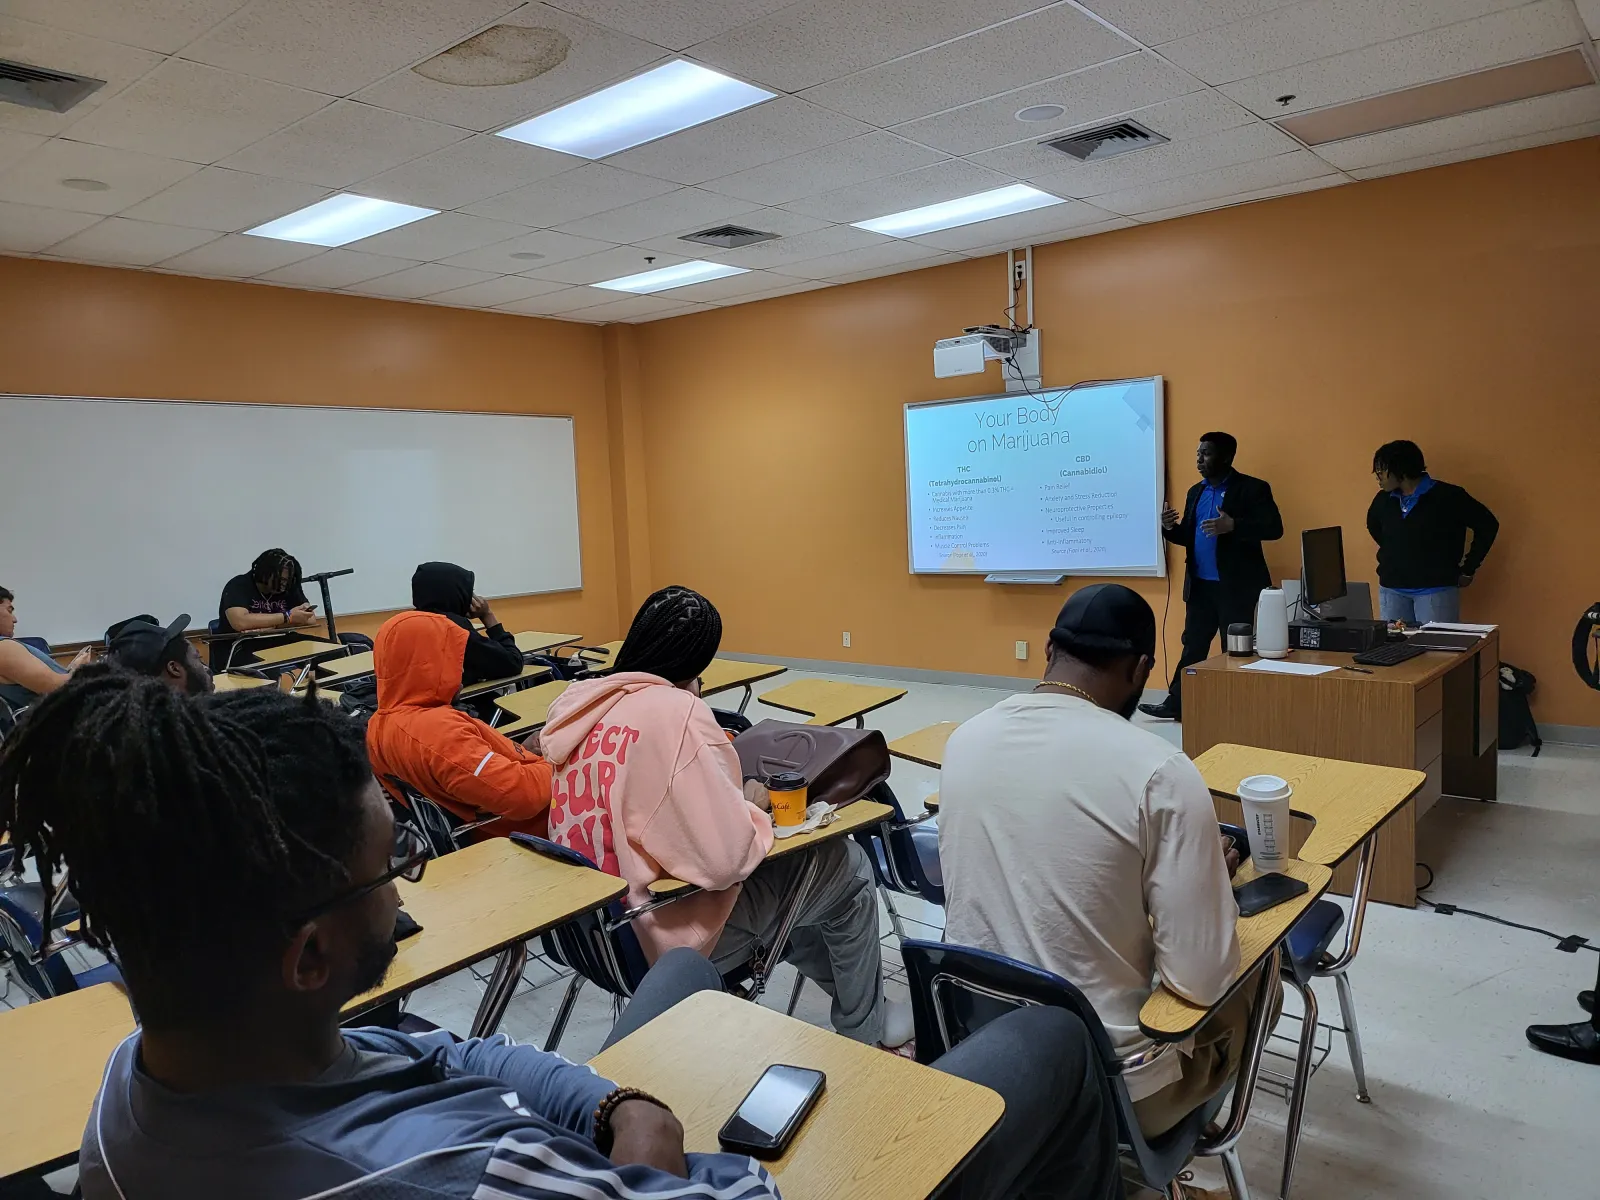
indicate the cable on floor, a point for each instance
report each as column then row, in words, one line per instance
column 1571, row 943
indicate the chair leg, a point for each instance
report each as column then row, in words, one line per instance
column 1233, row 1169
column 894, row 914
column 563, row 1013
column 794, row 996
column 1352, row 1035
column 502, row 986
column 1301, row 1083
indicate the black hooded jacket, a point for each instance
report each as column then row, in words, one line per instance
column 446, row 589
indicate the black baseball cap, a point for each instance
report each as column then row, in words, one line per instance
column 1107, row 617
column 141, row 643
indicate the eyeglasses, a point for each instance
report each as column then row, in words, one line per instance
column 407, row 860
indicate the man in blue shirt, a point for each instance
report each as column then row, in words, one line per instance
column 1226, row 517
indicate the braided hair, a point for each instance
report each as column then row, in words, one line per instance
column 675, row 635
column 268, row 568
column 193, row 827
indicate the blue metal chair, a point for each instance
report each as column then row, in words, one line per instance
column 38, row 643
column 34, row 959
column 897, row 862
column 956, row 990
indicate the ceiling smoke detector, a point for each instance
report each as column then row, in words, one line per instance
column 498, row 57
column 1106, row 141
column 1040, row 112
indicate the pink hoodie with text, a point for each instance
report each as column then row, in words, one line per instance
column 645, row 782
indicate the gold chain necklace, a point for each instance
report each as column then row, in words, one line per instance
column 1071, row 687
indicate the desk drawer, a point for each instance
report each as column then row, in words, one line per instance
column 1431, row 790
column 1429, row 703
column 1430, row 740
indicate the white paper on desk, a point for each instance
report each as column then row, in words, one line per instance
column 818, row 814
column 1273, row 666
column 1457, row 627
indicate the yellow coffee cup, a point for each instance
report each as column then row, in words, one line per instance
column 786, row 790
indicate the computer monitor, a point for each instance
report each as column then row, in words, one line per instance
column 1322, row 564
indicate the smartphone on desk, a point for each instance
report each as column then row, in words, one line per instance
column 1266, row 891
column 772, row 1112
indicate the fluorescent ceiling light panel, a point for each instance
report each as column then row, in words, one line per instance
column 698, row 271
column 341, row 219
column 985, row 206
column 676, row 95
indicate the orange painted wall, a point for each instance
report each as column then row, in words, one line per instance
column 1456, row 306
column 89, row 331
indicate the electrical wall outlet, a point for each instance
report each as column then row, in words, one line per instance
column 847, row 638
column 1022, row 651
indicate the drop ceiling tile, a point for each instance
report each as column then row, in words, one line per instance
column 1216, row 185
column 42, row 46
column 13, row 145
column 767, row 220
column 236, row 256
column 717, row 290
column 834, row 239
column 1536, row 115
column 632, row 308
column 493, row 292
column 1090, row 95
column 339, row 47
column 1489, row 41
column 36, row 177
column 854, row 160
column 343, row 143
column 594, row 188
column 611, row 264
column 818, row 40
column 184, row 110
column 556, row 303
column 1313, row 29
column 336, row 268
column 1589, row 10
column 1039, row 46
column 125, row 243
column 687, row 209
column 889, row 255
column 226, row 201
column 675, row 24
column 788, row 289
column 541, row 248
column 1249, row 197
column 937, row 259
column 1157, row 21
column 1483, row 150
column 466, row 171
column 1246, row 143
column 910, row 189
column 594, row 56
column 416, row 282
column 27, row 229
column 441, row 236
column 1191, row 116
column 1021, row 229
column 1105, row 225
column 162, row 25
column 770, row 131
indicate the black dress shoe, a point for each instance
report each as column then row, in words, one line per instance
column 1165, row 711
column 1586, row 1001
column 1579, row 1042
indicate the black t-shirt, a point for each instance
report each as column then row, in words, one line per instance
column 241, row 592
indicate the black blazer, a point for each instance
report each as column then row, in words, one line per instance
column 1241, row 565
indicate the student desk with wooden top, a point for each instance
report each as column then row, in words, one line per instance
column 1437, row 713
column 530, row 706
column 485, row 899
column 531, row 641
column 829, row 702
column 530, row 673
column 230, row 682
column 885, row 1127
column 726, row 673
column 351, row 666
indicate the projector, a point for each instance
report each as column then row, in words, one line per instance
column 981, row 344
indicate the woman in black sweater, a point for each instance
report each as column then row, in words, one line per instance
column 1421, row 526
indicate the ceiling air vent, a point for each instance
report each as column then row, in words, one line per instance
column 728, row 237
column 38, row 87
column 1108, row 141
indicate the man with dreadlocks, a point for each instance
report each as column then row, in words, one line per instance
column 646, row 784
column 268, row 596
column 236, row 859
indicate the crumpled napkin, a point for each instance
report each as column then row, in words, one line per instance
column 817, row 815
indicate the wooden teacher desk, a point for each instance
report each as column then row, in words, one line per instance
column 1437, row 713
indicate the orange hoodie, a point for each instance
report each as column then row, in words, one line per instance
column 647, row 785
column 447, row 755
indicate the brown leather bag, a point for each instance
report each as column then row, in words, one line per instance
column 840, row 765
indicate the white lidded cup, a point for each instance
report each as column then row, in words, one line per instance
column 1265, row 800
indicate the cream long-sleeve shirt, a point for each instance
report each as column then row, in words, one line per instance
column 1078, row 842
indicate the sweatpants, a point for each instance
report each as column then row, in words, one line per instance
column 834, row 941
column 1058, row 1137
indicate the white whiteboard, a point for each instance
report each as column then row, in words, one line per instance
column 117, row 507
column 1066, row 480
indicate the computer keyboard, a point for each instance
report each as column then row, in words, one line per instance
column 1390, row 654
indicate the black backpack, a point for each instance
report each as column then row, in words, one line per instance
column 1517, row 727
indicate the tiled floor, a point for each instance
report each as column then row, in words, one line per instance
column 1462, row 1107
